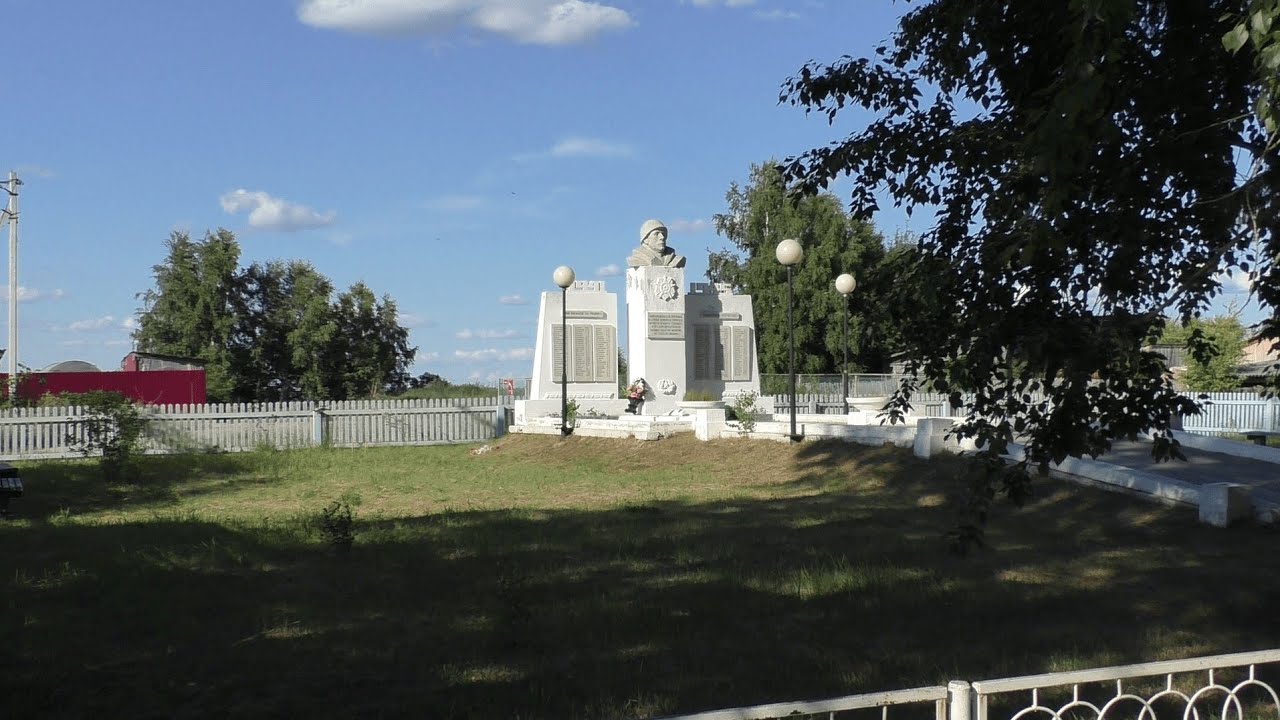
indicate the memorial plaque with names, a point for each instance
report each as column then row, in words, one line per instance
column 702, row 335
column 580, row 351
column 606, row 353
column 666, row 326
column 723, row 363
column 741, row 370
column 557, row 351
column 586, row 314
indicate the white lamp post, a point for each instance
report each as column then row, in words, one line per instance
column 845, row 285
column 790, row 253
column 563, row 277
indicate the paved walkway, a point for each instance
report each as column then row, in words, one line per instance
column 1203, row 467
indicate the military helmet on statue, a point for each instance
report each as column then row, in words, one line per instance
column 649, row 226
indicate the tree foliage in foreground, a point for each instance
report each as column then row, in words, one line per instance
column 1092, row 165
column 272, row 331
column 759, row 216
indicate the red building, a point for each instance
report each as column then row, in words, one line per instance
column 146, row 378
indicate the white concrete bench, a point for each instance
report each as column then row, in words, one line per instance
column 1259, row 437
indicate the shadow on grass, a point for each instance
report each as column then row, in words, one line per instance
column 154, row 482
column 631, row 611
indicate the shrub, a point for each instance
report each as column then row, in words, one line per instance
column 337, row 525
column 112, row 427
column 700, row 396
column 744, row 409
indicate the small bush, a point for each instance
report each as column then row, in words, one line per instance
column 744, row 410
column 337, row 525
column 700, row 396
column 112, row 427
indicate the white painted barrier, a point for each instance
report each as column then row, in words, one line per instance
column 43, row 432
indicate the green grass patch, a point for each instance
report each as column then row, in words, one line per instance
column 582, row 578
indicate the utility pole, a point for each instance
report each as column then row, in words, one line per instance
column 12, row 351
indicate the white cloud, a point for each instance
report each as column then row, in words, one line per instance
column 26, row 294
column 588, row 147
column 777, row 15
column 455, row 203
column 726, row 3
column 512, row 300
column 535, row 22
column 412, row 320
column 130, row 323
column 469, row 334
column 493, row 354
column 272, row 213
column 689, row 226
column 1236, row 283
column 101, row 323
column 579, row 147
column 73, row 343
column 118, row 343
column 425, row 357
column 36, row 170
column 610, row 270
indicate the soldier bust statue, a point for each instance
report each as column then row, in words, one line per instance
column 653, row 248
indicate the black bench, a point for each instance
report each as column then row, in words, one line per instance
column 1259, row 437
column 10, row 486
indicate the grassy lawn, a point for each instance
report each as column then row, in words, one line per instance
column 583, row 579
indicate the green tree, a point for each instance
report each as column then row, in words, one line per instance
column 1082, row 160
column 273, row 331
column 1220, row 372
column 373, row 354
column 193, row 310
column 291, row 318
column 759, row 216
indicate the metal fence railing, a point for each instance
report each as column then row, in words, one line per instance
column 1235, row 686
column 1221, row 686
column 860, row 384
column 1220, row 413
column 879, row 702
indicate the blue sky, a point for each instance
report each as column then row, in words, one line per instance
column 450, row 153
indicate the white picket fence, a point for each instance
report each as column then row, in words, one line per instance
column 1226, row 413
column 43, row 432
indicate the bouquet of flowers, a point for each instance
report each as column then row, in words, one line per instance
column 635, row 392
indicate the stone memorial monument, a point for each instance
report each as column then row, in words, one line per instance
column 721, row 333
column 591, row 352
column 677, row 342
column 656, row 319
